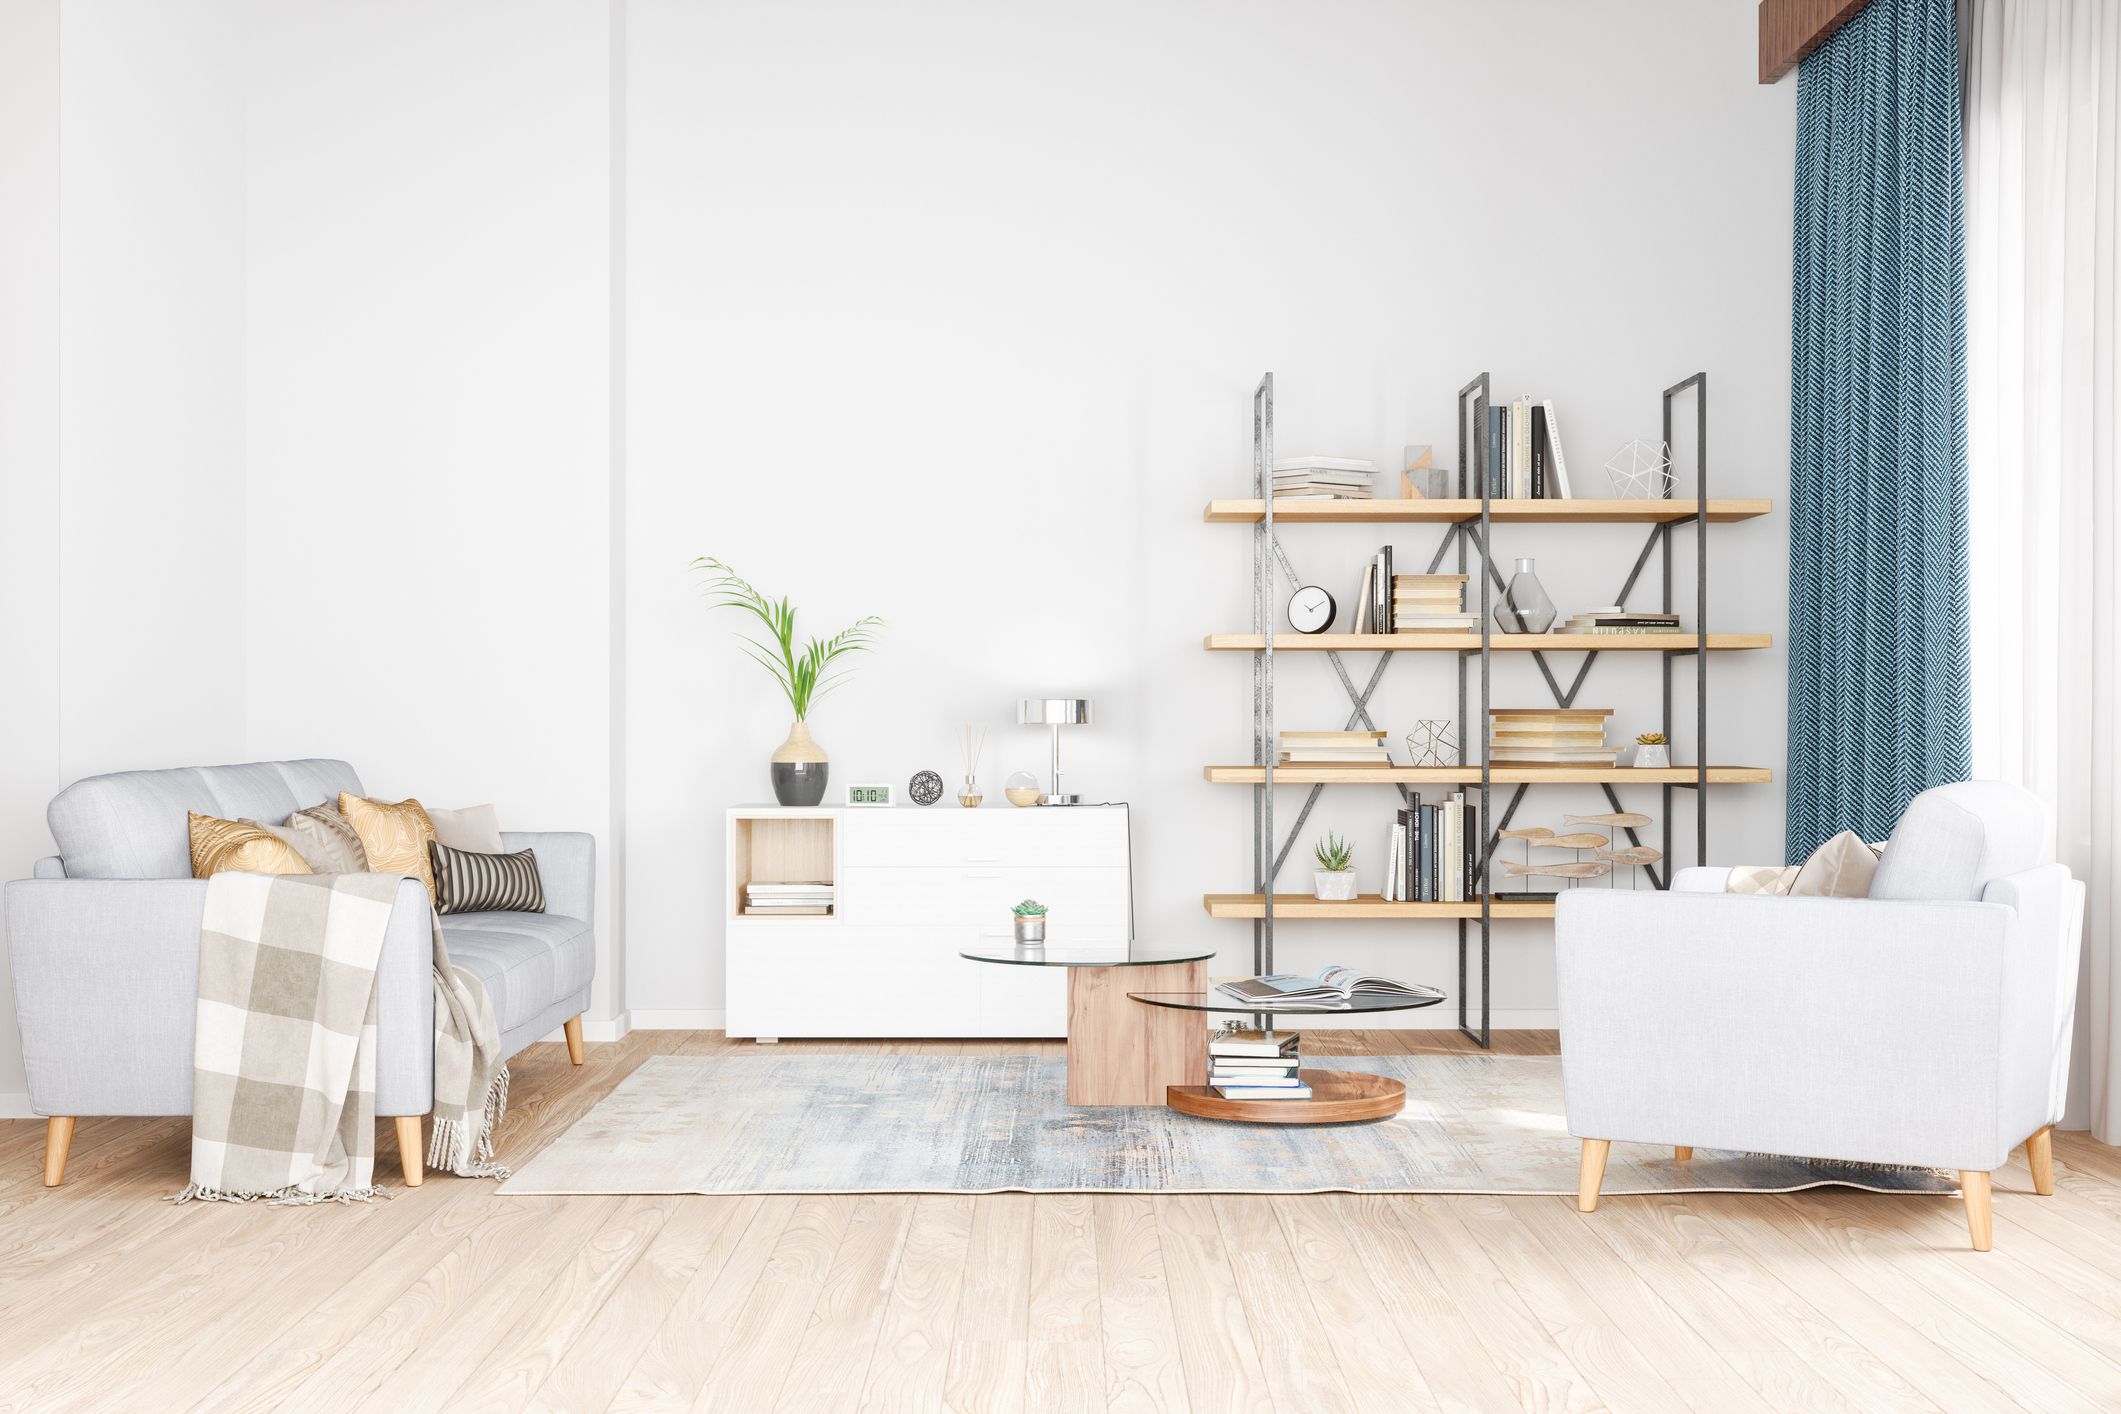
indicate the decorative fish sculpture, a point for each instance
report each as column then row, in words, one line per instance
column 1640, row 854
column 1624, row 819
column 1536, row 832
column 1583, row 841
column 1594, row 870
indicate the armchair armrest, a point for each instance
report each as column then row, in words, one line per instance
column 106, row 989
column 567, row 868
column 1831, row 1028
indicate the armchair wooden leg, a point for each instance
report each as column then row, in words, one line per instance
column 1590, row 1173
column 573, row 1028
column 1682, row 1152
column 1974, row 1184
column 409, row 1150
column 58, row 1138
column 2040, row 1157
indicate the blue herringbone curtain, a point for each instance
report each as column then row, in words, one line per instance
column 1878, row 614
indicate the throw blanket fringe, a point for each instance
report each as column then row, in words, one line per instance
column 467, row 1149
column 290, row 1197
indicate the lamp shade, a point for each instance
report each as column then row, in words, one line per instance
column 1053, row 712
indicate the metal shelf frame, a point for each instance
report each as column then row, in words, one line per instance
column 1464, row 541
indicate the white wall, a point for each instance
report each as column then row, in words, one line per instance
column 952, row 313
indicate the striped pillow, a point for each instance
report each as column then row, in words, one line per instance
column 474, row 883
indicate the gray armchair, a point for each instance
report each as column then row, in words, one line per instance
column 104, row 945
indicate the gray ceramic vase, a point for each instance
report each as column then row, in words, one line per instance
column 799, row 768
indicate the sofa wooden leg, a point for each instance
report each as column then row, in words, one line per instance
column 2040, row 1157
column 1590, row 1172
column 58, row 1138
column 1682, row 1152
column 1974, row 1184
column 573, row 1028
column 410, row 1150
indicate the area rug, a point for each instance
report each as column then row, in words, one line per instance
column 970, row 1124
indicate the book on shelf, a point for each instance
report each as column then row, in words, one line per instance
column 811, row 898
column 787, row 910
column 1264, row 1045
column 1326, row 748
column 1220, row 1079
column 1324, row 479
column 1523, row 451
column 1550, row 736
column 1298, row 1091
column 1363, row 620
column 1333, row 986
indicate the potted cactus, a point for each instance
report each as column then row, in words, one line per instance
column 1651, row 750
column 1335, row 876
column 1030, row 921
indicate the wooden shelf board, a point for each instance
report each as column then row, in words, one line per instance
column 1292, row 642
column 1571, row 512
column 1364, row 906
column 1314, row 774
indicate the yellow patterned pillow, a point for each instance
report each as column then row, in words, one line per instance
column 220, row 845
column 394, row 837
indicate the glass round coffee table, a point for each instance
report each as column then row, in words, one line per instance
column 1119, row 1052
column 1337, row 1096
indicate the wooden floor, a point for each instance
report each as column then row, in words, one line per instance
column 448, row 1297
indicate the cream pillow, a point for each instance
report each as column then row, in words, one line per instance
column 393, row 836
column 221, row 845
column 322, row 837
column 475, row 828
column 1772, row 879
column 1840, row 868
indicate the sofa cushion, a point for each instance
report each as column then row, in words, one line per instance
column 132, row 825
column 394, row 835
column 240, row 846
column 1952, row 840
column 528, row 961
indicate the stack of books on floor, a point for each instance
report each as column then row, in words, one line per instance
column 1335, row 749
column 1323, row 479
column 1431, row 603
column 1618, row 620
column 1549, row 736
column 1524, row 452
column 1254, row 1065
column 1433, row 855
column 787, row 900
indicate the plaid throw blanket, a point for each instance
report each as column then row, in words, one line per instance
column 284, row 1061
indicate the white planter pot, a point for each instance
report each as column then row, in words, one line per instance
column 1333, row 884
column 1653, row 756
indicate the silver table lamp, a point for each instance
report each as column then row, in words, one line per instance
column 1055, row 712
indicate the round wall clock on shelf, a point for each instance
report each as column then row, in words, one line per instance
column 1311, row 609
column 925, row 788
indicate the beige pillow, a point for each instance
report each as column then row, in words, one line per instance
column 393, row 836
column 322, row 837
column 475, row 828
column 1840, row 868
column 219, row 845
column 1774, row 879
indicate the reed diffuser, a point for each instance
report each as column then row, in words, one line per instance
column 973, row 741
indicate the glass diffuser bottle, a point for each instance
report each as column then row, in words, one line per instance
column 1525, row 607
column 973, row 741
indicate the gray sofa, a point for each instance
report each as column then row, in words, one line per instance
column 104, row 945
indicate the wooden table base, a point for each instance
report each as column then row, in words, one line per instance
column 1337, row 1097
column 1121, row 1052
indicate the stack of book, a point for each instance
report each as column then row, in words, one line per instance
column 1434, row 852
column 1373, row 601
column 1431, row 603
column 1524, row 452
column 1335, row 748
column 1549, row 736
column 1323, row 479
column 1615, row 619
column 786, row 900
column 1254, row 1065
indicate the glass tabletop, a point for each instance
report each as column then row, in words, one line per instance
column 1093, row 955
column 1217, row 1001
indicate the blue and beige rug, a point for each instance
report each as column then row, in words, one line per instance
column 969, row 1124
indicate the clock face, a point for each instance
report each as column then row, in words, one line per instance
column 869, row 795
column 1311, row 610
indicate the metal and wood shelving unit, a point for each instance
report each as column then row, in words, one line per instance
column 1469, row 523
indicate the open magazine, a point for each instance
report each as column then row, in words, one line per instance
column 1332, row 987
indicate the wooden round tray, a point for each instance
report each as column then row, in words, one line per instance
column 1337, row 1097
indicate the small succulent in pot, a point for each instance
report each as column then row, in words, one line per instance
column 1030, row 918
column 1651, row 750
column 1335, row 876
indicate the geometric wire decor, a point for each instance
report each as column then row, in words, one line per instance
column 1641, row 471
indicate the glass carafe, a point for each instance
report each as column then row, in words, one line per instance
column 1525, row 607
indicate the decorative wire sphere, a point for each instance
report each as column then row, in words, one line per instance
column 1433, row 742
column 926, row 788
column 1641, row 471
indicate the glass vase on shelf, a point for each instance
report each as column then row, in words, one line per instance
column 1525, row 607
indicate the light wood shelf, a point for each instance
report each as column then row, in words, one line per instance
column 1366, row 906
column 1314, row 774
column 1550, row 512
column 1292, row 642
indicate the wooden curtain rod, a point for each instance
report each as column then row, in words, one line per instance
column 1791, row 29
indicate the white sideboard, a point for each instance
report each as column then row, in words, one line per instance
column 912, row 888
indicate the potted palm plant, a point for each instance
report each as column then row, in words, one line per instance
column 1335, row 876
column 800, row 766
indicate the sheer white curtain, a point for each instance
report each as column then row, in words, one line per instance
column 2043, row 92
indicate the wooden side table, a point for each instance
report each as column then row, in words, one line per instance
column 1120, row 1052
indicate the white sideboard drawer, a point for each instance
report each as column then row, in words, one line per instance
column 1077, row 835
column 983, row 894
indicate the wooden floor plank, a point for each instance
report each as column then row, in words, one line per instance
column 990, row 1352
column 1065, row 1363
column 912, row 1356
column 1142, row 1369
column 1215, row 1346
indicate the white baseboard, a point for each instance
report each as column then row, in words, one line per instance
column 14, row 1104
column 679, row 1019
